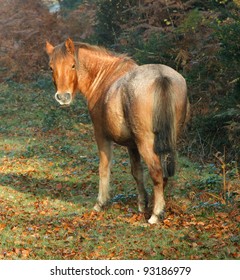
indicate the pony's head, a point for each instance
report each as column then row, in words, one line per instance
column 62, row 62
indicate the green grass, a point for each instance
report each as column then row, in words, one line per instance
column 49, row 184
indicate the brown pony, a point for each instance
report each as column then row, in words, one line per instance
column 140, row 107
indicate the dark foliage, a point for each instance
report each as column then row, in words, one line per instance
column 198, row 38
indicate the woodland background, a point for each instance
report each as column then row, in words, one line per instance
column 42, row 161
column 198, row 38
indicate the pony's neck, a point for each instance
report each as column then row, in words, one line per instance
column 98, row 70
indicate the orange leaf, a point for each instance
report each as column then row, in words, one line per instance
column 238, row 218
column 16, row 250
column 176, row 241
column 25, row 253
column 134, row 218
column 59, row 186
column 167, row 222
column 2, row 226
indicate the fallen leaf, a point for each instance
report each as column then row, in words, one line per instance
column 194, row 245
column 59, row 186
column 25, row 253
column 167, row 223
column 237, row 218
column 16, row 251
column 133, row 219
column 2, row 226
column 176, row 241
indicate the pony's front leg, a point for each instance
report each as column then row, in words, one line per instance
column 105, row 154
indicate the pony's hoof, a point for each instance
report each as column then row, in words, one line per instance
column 97, row 207
column 142, row 208
column 153, row 220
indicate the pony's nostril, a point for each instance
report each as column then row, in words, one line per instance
column 63, row 98
column 67, row 96
column 58, row 97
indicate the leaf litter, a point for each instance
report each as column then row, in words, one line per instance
column 48, row 186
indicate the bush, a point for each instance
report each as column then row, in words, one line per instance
column 111, row 15
column 25, row 27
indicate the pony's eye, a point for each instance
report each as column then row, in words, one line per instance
column 51, row 69
column 73, row 66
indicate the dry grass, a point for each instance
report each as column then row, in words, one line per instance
column 48, row 186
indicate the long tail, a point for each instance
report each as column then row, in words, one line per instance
column 164, row 126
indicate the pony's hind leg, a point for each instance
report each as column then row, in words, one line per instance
column 105, row 154
column 137, row 172
column 155, row 170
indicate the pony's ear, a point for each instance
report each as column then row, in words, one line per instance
column 70, row 46
column 49, row 48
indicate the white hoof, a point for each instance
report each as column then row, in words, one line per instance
column 97, row 207
column 142, row 208
column 153, row 220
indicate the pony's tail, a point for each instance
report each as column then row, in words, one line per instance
column 164, row 126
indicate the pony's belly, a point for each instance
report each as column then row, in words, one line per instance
column 117, row 130
column 115, row 123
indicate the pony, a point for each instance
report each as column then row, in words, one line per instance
column 141, row 107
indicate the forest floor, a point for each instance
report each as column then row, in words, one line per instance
column 49, row 184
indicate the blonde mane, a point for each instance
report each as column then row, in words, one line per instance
column 104, row 67
column 101, row 51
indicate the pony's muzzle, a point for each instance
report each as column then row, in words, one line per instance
column 63, row 98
